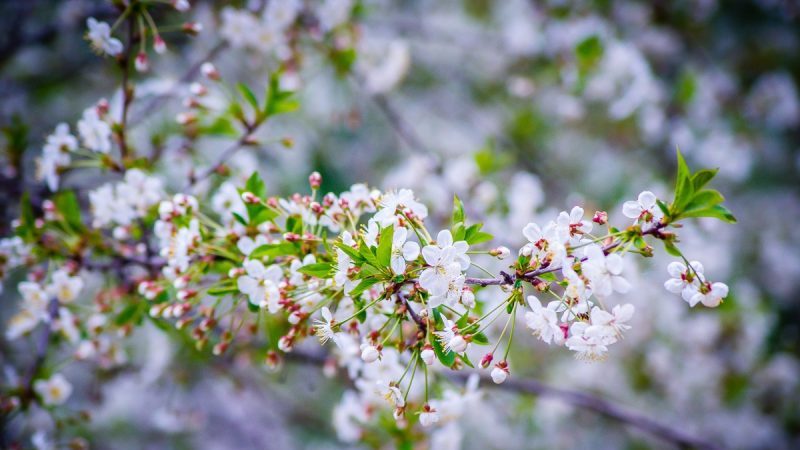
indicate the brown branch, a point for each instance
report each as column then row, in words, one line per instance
column 579, row 399
column 190, row 75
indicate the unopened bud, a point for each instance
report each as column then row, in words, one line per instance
column 159, row 45
column 209, row 71
column 500, row 252
column 141, row 63
column 600, row 217
column 486, row 360
column 315, row 180
column 192, row 28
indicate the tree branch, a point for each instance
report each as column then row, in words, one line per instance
column 575, row 398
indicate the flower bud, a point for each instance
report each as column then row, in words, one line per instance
column 249, row 197
column 285, row 343
column 500, row 252
column 197, row 89
column 486, row 360
column 428, row 355
column 192, row 28
column 185, row 118
column 141, row 62
column 457, row 344
column 209, row 71
column 315, row 180
column 273, row 360
column 500, row 372
column 181, row 5
column 468, row 297
column 159, row 45
column 600, row 217
column 369, row 353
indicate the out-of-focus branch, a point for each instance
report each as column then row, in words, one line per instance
column 575, row 398
column 156, row 102
column 226, row 154
column 41, row 350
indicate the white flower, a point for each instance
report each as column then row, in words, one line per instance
column 604, row 272
column 53, row 391
column 280, row 14
column 333, row 13
column 499, row 374
column 21, row 323
column 324, row 327
column 428, row 355
column 95, row 132
column 238, row 27
column 391, row 393
column 571, row 227
column 685, row 280
column 544, row 246
column 428, row 417
column 710, row 295
column 61, row 139
column 64, row 287
column 543, row 321
column 99, row 36
column 261, row 285
column 371, row 236
column 450, row 338
column 343, row 265
column 402, row 251
column 442, row 268
column 35, row 298
column 444, row 240
column 644, row 208
column 614, row 322
column 402, row 200
column 369, row 353
column 455, row 288
column 587, row 341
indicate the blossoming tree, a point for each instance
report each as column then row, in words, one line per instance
column 365, row 280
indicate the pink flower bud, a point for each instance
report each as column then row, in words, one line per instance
column 141, row 62
column 500, row 372
column 159, row 45
column 315, row 180
column 486, row 360
column 600, row 217
column 209, row 71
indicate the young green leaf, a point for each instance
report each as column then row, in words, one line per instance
column 385, row 246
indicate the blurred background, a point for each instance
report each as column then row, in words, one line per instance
column 523, row 109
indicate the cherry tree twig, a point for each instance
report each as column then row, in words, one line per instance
column 575, row 398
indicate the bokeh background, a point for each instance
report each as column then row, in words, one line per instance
column 523, row 109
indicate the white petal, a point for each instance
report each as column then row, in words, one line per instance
column 647, row 199
column 676, row 269
column 631, row 209
column 444, row 238
column 410, row 251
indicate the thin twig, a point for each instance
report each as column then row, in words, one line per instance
column 579, row 399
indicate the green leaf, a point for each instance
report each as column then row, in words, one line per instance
column 274, row 250
column 716, row 212
column 684, row 189
column 705, row 199
column 702, row 177
column 67, row 204
column 465, row 360
column 589, row 52
column 321, row 270
column 458, row 210
column 368, row 255
column 480, row 339
column 248, row 95
column 446, row 358
column 350, row 251
column 662, row 206
column 385, row 246
column 477, row 237
column 129, row 314
column 239, row 219
column 223, row 288
column 256, row 185
column 294, row 224
column 263, row 214
column 362, row 286
column 671, row 248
